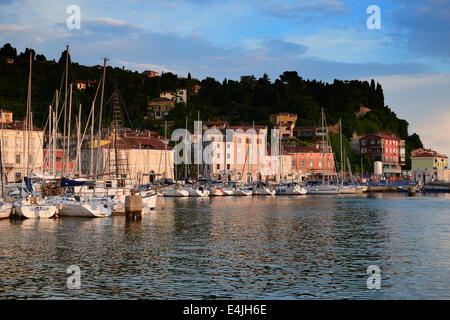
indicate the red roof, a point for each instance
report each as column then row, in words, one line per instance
column 429, row 155
column 383, row 136
column 139, row 143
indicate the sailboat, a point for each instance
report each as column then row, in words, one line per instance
column 324, row 188
column 32, row 206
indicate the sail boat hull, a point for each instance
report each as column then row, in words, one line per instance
column 35, row 211
column 92, row 209
column 5, row 210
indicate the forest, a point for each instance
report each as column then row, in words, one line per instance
column 244, row 101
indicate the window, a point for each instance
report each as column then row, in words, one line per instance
column 218, row 156
column 247, row 140
column 303, row 164
column 228, row 156
column 17, row 158
column 363, row 142
column 228, row 146
column 218, row 146
column 239, row 140
column 218, row 167
column 228, row 166
column 310, row 164
column 320, row 164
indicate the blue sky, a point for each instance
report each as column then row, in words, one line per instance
column 321, row 39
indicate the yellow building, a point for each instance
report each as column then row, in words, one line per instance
column 428, row 159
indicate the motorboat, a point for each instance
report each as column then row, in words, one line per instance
column 242, row 192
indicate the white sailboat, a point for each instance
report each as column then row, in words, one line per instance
column 32, row 207
column 197, row 192
column 324, row 188
column 85, row 208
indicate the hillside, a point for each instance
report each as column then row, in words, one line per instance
column 240, row 102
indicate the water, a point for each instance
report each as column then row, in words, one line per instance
column 312, row 247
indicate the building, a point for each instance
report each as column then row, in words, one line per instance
column 428, row 159
column 22, row 150
column 159, row 108
column 311, row 161
column 177, row 96
column 283, row 117
column 384, row 148
column 83, row 84
column 150, row 73
column 429, row 166
column 48, row 162
column 140, row 155
column 9, row 60
column 285, row 122
column 6, row 117
column 305, row 131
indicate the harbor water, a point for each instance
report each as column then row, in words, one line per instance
column 291, row 247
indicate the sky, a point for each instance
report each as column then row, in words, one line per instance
column 321, row 39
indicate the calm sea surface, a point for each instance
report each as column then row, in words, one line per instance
column 310, row 247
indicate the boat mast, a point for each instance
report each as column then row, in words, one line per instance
column 68, row 130
column 323, row 151
column 1, row 158
column 342, row 157
column 100, row 119
column 63, row 158
column 28, row 117
column 55, row 132
column 78, row 141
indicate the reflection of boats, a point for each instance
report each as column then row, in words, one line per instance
column 290, row 189
column 5, row 210
column 175, row 192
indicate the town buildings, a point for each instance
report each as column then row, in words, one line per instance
column 140, row 156
column 22, row 150
column 159, row 108
column 285, row 122
column 150, row 73
column 429, row 166
column 389, row 150
column 311, row 161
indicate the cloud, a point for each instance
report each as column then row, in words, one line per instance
column 13, row 28
column 423, row 26
column 424, row 101
column 303, row 10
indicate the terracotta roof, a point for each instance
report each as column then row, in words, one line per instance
column 139, row 143
column 383, row 136
column 427, row 154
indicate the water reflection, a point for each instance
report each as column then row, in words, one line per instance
column 233, row 247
